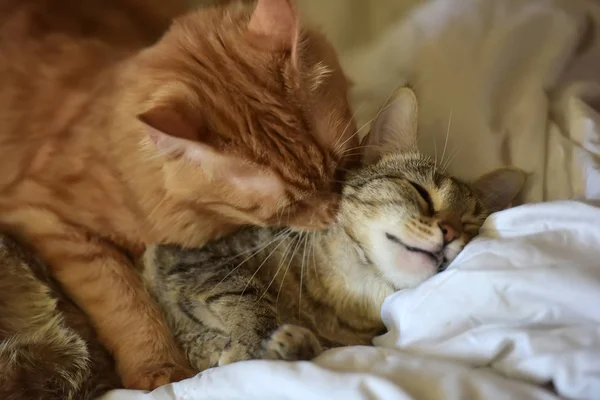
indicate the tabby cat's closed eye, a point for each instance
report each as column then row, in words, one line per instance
column 424, row 195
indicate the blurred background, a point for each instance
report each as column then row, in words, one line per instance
column 349, row 23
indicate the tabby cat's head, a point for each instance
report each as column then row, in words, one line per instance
column 407, row 216
column 243, row 99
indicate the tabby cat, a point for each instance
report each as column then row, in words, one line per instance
column 120, row 129
column 282, row 294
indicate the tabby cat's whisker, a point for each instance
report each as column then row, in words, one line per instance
column 386, row 105
column 314, row 259
column 301, row 278
column 447, row 135
column 278, row 237
column 337, row 147
column 435, row 162
column 286, row 270
column 258, row 269
column 374, row 118
column 358, row 131
column 278, row 269
column 371, row 120
column 450, row 159
column 258, row 247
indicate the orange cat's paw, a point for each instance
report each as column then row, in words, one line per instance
column 149, row 377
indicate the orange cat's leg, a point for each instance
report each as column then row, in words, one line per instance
column 104, row 284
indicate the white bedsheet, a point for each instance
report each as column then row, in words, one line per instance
column 518, row 309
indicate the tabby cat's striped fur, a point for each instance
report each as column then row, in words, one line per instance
column 48, row 349
column 266, row 293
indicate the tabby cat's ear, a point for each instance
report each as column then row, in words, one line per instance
column 274, row 26
column 172, row 136
column 500, row 187
column 394, row 129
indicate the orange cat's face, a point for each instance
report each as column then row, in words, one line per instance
column 250, row 113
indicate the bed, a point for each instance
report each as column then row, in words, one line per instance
column 516, row 314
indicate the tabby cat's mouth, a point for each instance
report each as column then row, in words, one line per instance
column 438, row 257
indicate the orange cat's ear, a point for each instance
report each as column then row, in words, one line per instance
column 174, row 137
column 165, row 119
column 274, row 25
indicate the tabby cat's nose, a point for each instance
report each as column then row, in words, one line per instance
column 450, row 234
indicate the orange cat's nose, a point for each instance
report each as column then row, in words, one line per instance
column 450, row 234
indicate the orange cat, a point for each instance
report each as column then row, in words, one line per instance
column 114, row 137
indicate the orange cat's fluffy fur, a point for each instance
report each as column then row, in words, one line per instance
column 114, row 137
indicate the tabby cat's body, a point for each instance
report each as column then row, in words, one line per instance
column 264, row 293
column 298, row 280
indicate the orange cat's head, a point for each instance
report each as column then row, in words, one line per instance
column 250, row 113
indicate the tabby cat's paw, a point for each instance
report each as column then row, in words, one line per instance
column 291, row 343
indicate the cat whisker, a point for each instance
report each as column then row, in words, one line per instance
column 374, row 118
column 286, row 270
column 306, row 236
column 287, row 249
column 314, row 257
column 278, row 237
column 450, row 159
column 258, row 247
column 279, row 214
column 435, row 162
column 335, row 145
column 359, row 130
column 258, row 269
column 447, row 135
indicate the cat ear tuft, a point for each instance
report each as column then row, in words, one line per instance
column 274, row 25
column 395, row 127
column 500, row 187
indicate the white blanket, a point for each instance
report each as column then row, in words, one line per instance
column 518, row 309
